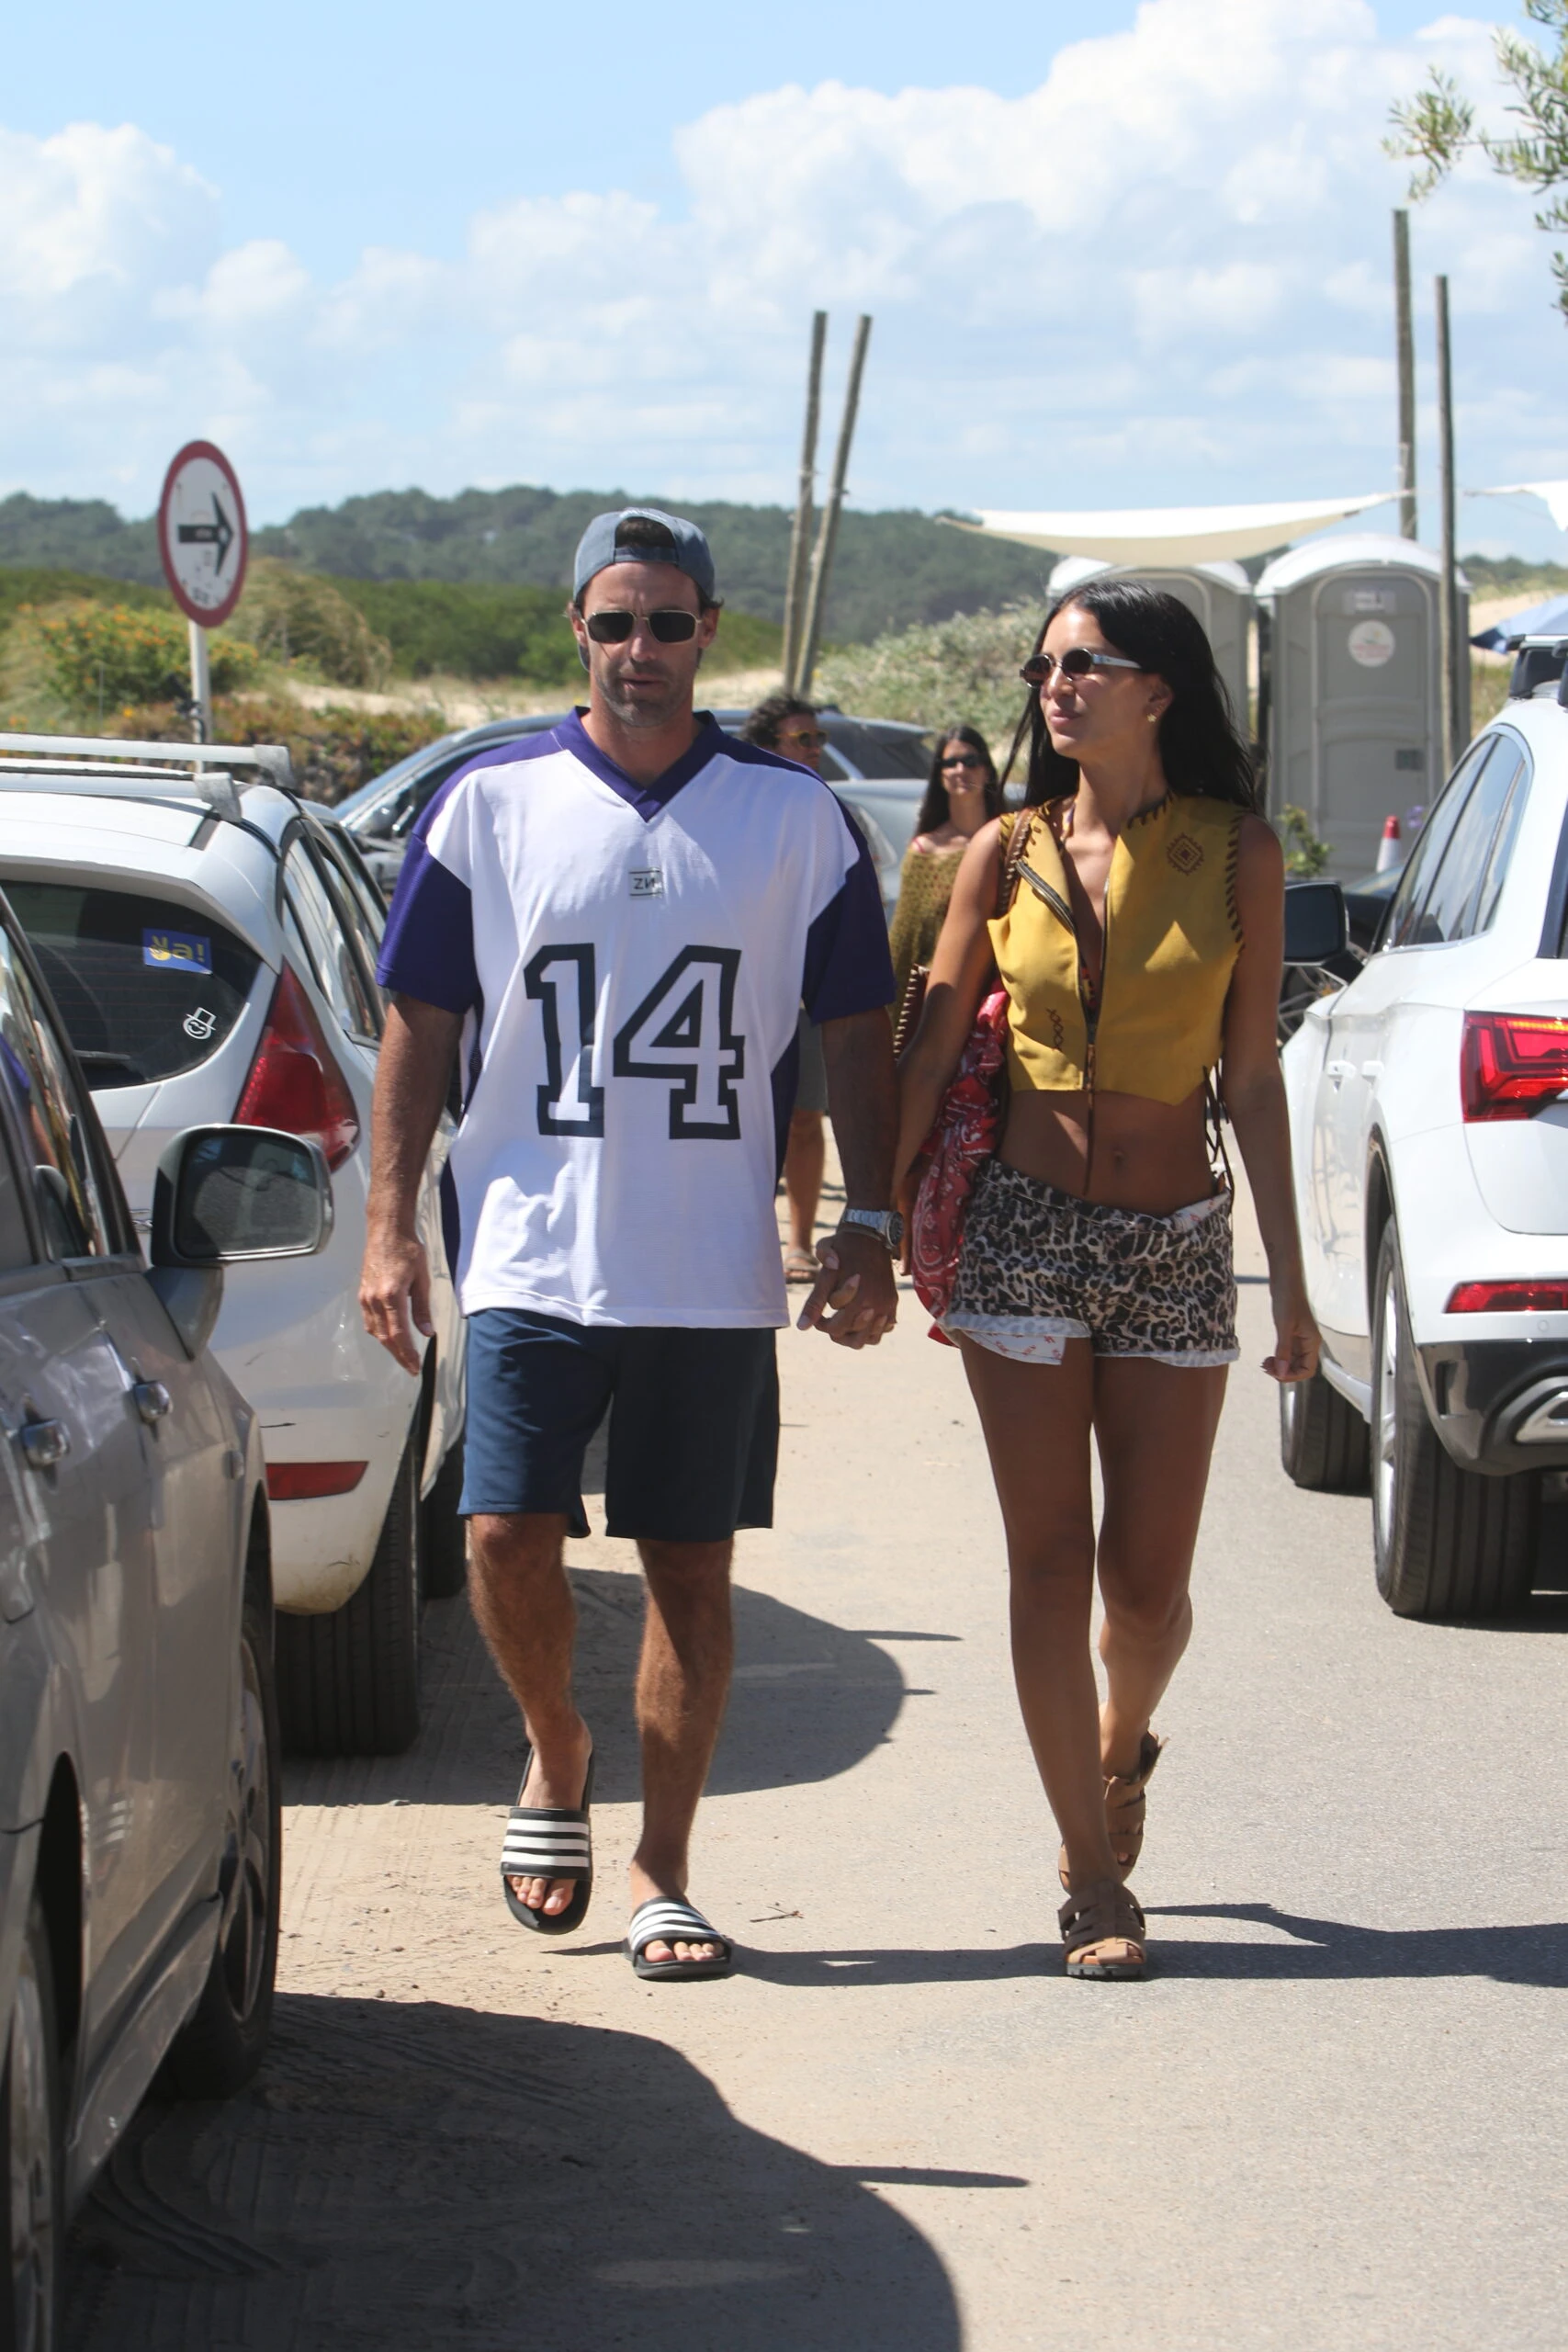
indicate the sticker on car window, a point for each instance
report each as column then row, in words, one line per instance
column 176, row 951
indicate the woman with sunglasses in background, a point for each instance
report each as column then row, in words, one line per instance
column 962, row 793
column 1094, row 1296
column 785, row 724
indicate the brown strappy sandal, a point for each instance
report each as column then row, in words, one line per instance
column 1103, row 1931
column 1124, row 1810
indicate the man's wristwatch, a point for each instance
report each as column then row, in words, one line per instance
column 886, row 1224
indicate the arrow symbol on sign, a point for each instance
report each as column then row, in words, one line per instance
column 219, row 534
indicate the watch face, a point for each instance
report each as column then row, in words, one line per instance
column 894, row 1231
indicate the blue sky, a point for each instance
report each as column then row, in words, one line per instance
column 1127, row 254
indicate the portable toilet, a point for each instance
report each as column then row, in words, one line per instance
column 1350, row 687
column 1219, row 593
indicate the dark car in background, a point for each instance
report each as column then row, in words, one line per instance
column 877, row 767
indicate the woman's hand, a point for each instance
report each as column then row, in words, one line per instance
column 1296, row 1342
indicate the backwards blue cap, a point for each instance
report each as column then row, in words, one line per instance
column 600, row 545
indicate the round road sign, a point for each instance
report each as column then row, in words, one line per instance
column 201, row 534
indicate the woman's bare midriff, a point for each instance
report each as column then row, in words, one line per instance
column 1146, row 1155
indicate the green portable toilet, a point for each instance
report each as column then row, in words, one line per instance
column 1350, row 684
column 1220, row 593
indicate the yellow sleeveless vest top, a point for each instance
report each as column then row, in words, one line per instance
column 1172, row 936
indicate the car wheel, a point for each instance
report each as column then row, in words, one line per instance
column 445, row 1536
column 1447, row 1542
column 348, row 1681
column 221, row 2045
column 1325, row 1445
column 31, row 2152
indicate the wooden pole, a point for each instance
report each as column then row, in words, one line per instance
column 828, row 532
column 201, row 685
column 1452, row 649
column 800, row 537
column 1405, row 337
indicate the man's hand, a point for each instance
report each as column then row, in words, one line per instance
column 857, row 1281
column 394, row 1283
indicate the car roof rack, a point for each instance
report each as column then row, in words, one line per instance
column 170, row 775
column 1539, row 661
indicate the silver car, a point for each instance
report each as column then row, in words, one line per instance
column 139, row 1741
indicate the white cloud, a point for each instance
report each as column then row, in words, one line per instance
column 1161, row 275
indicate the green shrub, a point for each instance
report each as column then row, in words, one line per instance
column 964, row 669
column 1304, row 853
column 98, row 655
column 299, row 618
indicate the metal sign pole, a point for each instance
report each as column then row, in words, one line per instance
column 200, row 685
column 1448, row 616
column 1404, row 343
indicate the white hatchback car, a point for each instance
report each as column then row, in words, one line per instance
column 1429, row 1104
column 211, row 944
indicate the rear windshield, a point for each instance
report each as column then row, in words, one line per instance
column 880, row 751
column 146, row 988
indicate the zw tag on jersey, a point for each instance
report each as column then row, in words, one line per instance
column 646, row 882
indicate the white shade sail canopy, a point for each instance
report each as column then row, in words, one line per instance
column 1173, row 534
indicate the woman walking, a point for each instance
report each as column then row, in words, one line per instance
column 964, row 792
column 1094, row 1294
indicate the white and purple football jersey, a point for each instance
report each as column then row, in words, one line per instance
column 630, row 961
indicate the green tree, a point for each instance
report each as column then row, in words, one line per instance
column 1436, row 127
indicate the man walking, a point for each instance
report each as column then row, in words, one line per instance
column 619, row 920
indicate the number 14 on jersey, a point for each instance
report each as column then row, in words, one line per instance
column 682, row 1035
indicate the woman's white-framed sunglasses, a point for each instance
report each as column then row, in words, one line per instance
column 1075, row 662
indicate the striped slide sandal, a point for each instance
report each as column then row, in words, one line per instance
column 550, row 1841
column 667, row 1920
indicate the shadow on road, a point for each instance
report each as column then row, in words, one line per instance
column 1323, row 1948
column 414, row 2178
column 811, row 1700
column 1332, row 1948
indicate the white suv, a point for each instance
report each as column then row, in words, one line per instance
column 211, row 944
column 1428, row 1106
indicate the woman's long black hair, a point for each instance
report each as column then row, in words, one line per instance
column 936, row 807
column 1201, row 747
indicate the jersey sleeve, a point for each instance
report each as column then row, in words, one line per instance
column 848, row 967
column 427, row 949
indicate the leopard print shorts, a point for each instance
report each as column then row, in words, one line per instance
column 1039, row 1267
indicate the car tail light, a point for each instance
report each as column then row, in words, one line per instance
column 1512, row 1064
column 294, row 1082
column 304, row 1482
column 1508, row 1298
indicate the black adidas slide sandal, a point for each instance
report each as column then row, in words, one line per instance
column 550, row 1841
column 665, row 1919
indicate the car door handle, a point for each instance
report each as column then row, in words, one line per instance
column 45, row 1443
column 1336, row 1070
column 1371, row 1070
column 152, row 1400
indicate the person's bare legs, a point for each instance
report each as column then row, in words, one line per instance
column 1154, row 1424
column 1036, row 1419
column 517, row 1584
column 681, row 1685
column 806, row 1161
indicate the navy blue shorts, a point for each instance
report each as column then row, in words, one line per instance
column 693, row 1424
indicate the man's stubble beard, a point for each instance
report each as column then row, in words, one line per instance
column 629, row 712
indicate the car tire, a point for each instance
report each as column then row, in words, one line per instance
column 445, row 1536
column 1447, row 1542
column 33, row 2172
column 221, row 2045
column 1325, row 1446
column 348, row 1681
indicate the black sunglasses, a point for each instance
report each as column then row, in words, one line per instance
column 1075, row 662
column 614, row 624
column 965, row 760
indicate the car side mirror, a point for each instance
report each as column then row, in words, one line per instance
column 1316, row 925
column 227, row 1194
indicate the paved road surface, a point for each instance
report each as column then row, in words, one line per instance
column 1335, row 2118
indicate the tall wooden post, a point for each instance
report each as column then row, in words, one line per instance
column 800, row 537
column 828, row 532
column 1454, row 650
column 1405, row 338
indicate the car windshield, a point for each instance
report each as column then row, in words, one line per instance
column 367, row 793
column 878, row 750
column 146, row 988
